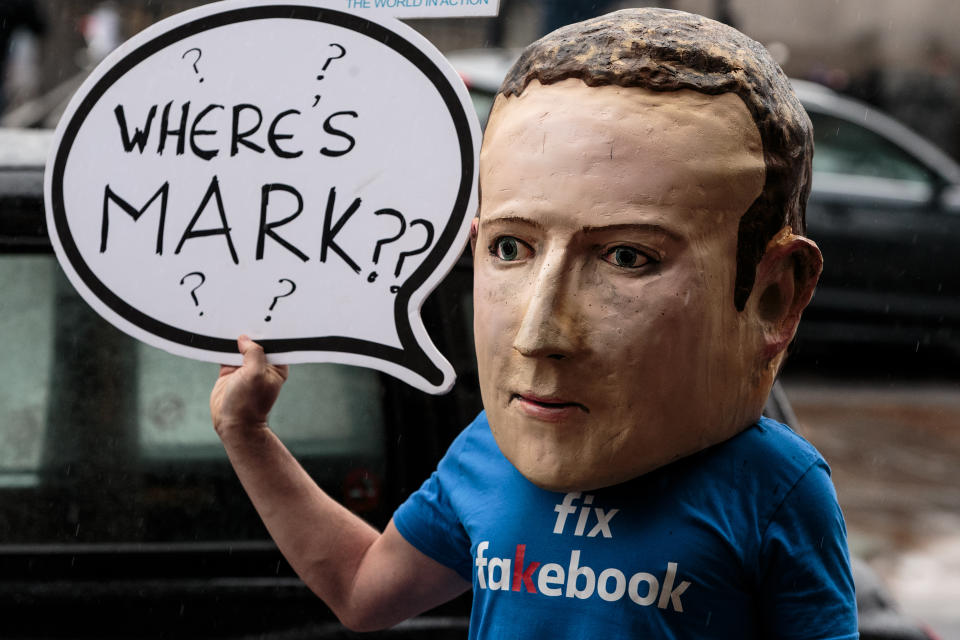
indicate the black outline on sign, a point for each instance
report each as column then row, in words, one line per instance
column 410, row 356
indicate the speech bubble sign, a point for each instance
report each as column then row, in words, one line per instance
column 297, row 173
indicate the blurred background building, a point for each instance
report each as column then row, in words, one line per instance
column 902, row 57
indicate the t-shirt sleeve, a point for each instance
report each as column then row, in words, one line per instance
column 428, row 521
column 806, row 588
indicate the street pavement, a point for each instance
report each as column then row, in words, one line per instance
column 890, row 430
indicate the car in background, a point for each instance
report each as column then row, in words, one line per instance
column 884, row 209
column 120, row 516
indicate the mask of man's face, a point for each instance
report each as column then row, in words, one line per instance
column 607, row 338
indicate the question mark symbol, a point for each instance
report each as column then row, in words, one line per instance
column 376, row 250
column 326, row 64
column 403, row 227
column 199, row 54
column 193, row 292
column 406, row 254
column 293, row 287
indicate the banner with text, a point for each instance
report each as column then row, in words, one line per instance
column 424, row 8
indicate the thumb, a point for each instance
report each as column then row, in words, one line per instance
column 253, row 354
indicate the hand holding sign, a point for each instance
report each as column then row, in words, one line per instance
column 244, row 184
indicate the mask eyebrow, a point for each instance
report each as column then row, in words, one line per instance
column 636, row 227
column 495, row 220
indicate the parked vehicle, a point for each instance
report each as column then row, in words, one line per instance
column 884, row 209
column 119, row 513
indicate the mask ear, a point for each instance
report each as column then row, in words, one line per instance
column 786, row 277
column 474, row 230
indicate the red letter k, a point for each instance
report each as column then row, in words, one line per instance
column 523, row 575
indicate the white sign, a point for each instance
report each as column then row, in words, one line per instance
column 300, row 174
column 424, row 8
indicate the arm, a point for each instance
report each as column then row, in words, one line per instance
column 370, row 580
column 807, row 589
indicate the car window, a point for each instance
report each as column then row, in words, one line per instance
column 482, row 103
column 843, row 147
column 324, row 408
column 104, row 438
column 26, row 325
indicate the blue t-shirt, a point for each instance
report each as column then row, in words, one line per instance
column 742, row 540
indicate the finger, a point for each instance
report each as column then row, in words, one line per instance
column 226, row 370
column 283, row 370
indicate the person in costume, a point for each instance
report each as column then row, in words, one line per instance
column 639, row 271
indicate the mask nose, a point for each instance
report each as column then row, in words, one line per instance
column 548, row 327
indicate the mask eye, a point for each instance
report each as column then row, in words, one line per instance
column 508, row 249
column 626, row 257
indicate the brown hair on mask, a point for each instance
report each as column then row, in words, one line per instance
column 667, row 50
